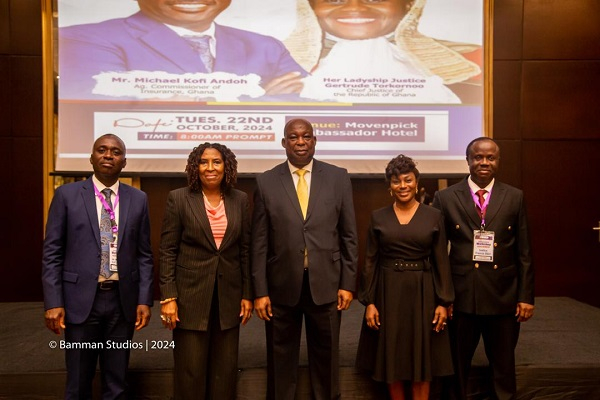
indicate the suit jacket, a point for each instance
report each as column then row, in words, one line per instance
column 191, row 263
column 488, row 288
column 72, row 251
column 280, row 235
column 141, row 43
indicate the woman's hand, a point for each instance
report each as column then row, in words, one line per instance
column 372, row 317
column 439, row 320
column 246, row 311
column 168, row 314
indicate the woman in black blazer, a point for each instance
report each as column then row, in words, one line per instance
column 204, row 274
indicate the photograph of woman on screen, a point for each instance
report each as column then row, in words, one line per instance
column 372, row 52
column 163, row 52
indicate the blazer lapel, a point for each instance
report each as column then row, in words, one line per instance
column 164, row 41
column 288, row 185
column 232, row 219
column 196, row 202
column 495, row 203
column 231, row 53
column 89, row 200
column 466, row 200
column 316, row 182
column 124, row 204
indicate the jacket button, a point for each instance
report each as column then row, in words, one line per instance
column 495, row 267
column 457, row 226
column 509, row 227
column 495, row 244
column 476, row 265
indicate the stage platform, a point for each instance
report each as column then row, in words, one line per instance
column 558, row 357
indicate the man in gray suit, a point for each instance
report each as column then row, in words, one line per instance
column 491, row 265
column 304, row 255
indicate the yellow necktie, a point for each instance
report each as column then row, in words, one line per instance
column 302, row 191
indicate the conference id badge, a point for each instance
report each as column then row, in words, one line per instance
column 483, row 245
column 113, row 256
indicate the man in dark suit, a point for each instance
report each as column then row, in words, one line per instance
column 491, row 265
column 154, row 40
column 97, row 271
column 304, row 254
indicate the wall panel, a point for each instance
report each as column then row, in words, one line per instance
column 26, row 96
column 559, row 29
column 4, row 27
column 25, row 27
column 9, row 257
column 508, row 29
column 563, row 208
column 5, row 98
column 27, row 224
column 510, row 169
column 560, row 99
column 507, row 99
column 21, row 139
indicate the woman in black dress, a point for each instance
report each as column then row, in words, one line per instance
column 406, row 286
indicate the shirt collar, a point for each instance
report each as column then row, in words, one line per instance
column 100, row 186
column 308, row 167
column 475, row 188
column 186, row 32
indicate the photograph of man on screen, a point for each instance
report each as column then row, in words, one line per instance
column 172, row 50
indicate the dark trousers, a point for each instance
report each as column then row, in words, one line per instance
column 283, row 347
column 105, row 327
column 206, row 361
column 500, row 334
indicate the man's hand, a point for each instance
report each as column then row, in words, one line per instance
column 143, row 316
column 284, row 84
column 262, row 305
column 344, row 299
column 55, row 319
column 524, row 312
column 245, row 311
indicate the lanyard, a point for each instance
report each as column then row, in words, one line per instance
column 482, row 207
column 109, row 210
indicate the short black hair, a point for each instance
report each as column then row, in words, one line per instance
column 480, row 139
column 111, row 135
column 400, row 165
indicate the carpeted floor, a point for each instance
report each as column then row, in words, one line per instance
column 558, row 356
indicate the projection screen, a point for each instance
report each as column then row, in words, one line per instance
column 374, row 78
